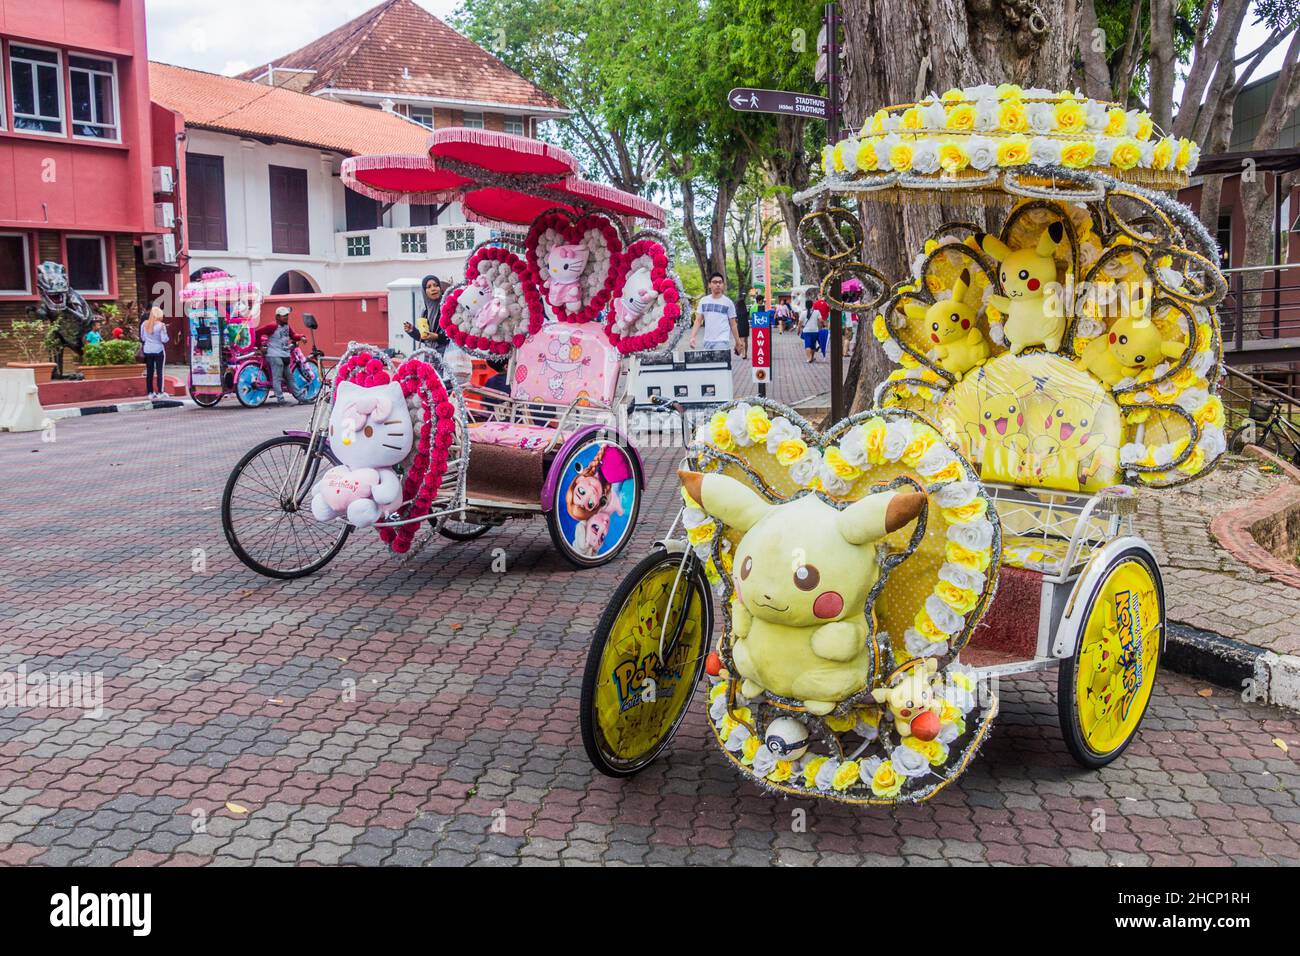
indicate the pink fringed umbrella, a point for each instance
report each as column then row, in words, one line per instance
column 416, row 179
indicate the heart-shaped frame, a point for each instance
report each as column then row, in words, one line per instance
column 592, row 235
column 497, row 308
column 956, row 544
column 645, row 282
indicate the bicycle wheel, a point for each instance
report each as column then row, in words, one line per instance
column 268, row 522
column 592, row 530
column 632, row 702
column 305, row 382
column 460, row 530
column 207, row 400
column 251, row 385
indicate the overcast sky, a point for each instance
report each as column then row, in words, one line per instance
column 229, row 36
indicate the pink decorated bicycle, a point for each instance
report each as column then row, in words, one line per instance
column 397, row 443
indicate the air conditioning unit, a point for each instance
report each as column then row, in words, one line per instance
column 164, row 215
column 164, row 181
column 159, row 250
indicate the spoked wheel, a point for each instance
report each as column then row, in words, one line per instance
column 460, row 530
column 1104, row 689
column 266, row 510
column 632, row 700
column 251, row 386
column 207, row 400
column 305, row 382
column 597, row 499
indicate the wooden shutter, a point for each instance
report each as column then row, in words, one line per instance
column 289, row 232
column 205, row 201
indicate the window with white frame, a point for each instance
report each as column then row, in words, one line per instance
column 87, row 264
column 471, row 120
column 460, row 239
column 515, row 125
column 422, row 115
column 358, row 246
column 94, row 97
column 415, row 242
column 15, row 264
column 36, row 89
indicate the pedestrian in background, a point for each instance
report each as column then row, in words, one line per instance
column 824, row 333
column 811, row 331
column 153, row 346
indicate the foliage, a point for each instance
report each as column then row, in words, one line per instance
column 28, row 337
column 110, row 352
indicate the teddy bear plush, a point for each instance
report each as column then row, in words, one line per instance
column 802, row 573
column 1025, row 276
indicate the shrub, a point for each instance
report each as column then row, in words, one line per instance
column 28, row 336
column 111, row 352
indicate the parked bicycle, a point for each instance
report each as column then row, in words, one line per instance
column 1270, row 429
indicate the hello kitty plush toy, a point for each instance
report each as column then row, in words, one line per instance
column 493, row 312
column 370, row 431
column 566, row 264
column 638, row 298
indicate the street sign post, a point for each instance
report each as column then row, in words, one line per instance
column 760, row 349
column 746, row 100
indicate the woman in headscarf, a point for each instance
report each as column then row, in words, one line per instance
column 426, row 331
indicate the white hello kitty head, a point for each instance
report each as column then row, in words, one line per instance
column 638, row 296
column 370, row 427
column 567, row 262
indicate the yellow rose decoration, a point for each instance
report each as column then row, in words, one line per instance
column 810, row 770
column 975, row 560
column 1116, row 122
column 933, row 632
column 1144, row 127
column 878, row 328
column 953, row 157
column 837, row 157
column 1070, row 117
column 1184, row 157
column 911, row 119
column 1126, row 154
column 1163, row 156
column 886, row 782
column 757, row 424
column 949, row 472
column 748, row 749
column 878, row 121
column 1008, row 91
column 1211, row 413
column 790, row 451
column 974, row 509
column 873, row 439
column 1079, row 154
column 782, row 772
column 961, row 600
column 719, row 434
column 1195, row 461
column 953, row 95
column 841, row 466
column 922, row 441
column 961, row 117
column 867, row 159
column 841, row 724
column 900, row 157
column 847, row 775
column 934, row 750
column 700, row 534
column 1013, row 151
column 1013, row 117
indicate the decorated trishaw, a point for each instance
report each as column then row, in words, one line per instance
column 226, row 345
column 565, row 292
column 876, row 579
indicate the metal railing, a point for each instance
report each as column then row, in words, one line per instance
column 1260, row 316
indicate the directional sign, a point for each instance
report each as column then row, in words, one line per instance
column 760, row 345
column 758, row 269
column 746, row 100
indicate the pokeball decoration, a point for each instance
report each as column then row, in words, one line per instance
column 574, row 263
column 647, row 302
column 498, row 306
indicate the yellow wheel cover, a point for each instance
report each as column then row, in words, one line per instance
column 638, row 698
column 1118, row 655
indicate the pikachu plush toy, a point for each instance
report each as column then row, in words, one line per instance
column 799, row 625
column 951, row 326
column 1134, row 342
column 1026, row 275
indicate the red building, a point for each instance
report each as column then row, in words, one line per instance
column 76, row 149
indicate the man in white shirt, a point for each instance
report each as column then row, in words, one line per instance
column 717, row 314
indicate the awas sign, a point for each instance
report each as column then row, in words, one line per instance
column 760, row 346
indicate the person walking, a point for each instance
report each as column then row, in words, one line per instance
column 153, row 346
column 279, row 346
column 811, row 332
column 716, row 313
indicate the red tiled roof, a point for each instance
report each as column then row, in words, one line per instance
column 368, row 54
column 230, row 105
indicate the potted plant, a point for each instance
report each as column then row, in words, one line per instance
column 28, row 337
column 111, row 358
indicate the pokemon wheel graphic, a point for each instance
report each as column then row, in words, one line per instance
column 266, row 509
column 1106, row 685
column 646, row 659
column 596, row 500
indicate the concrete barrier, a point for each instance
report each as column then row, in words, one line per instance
column 20, row 404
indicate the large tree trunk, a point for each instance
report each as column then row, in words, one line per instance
column 1163, row 60
column 965, row 42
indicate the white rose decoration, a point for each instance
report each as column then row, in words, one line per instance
column 764, row 761
column 982, row 151
column 898, row 435
column 853, row 447
column 1095, row 114
column 918, row 645
column 944, row 617
column 1212, row 442
column 1132, row 453
column 867, row 769
column 1042, row 119
column 925, row 157
column 780, row 430
column 956, row 493
column 826, row 774
column 1045, row 151
column 807, row 468
column 962, row 577
column 738, row 426
column 736, row 739
column 974, row 535
column 936, row 459
column 986, row 114
column 893, row 351
column 909, row 762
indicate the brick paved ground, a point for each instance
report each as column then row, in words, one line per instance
column 224, row 687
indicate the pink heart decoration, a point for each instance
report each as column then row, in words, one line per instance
column 477, row 315
column 557, row 238
column 633, row 332
column 341, row 487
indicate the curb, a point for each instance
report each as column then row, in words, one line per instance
column 1272, row 678
column 140, row 405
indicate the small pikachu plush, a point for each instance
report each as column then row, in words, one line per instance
column 802, row 574
column 1025, row 275
column 1133, row 343
column 911, row 699
column 951, row 325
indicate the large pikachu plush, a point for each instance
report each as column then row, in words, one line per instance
column 952, row 328
column 802, row 574
column 1133, row 342
column 1026, row 275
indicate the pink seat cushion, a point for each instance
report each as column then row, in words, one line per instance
column 564, row 363
column 512, row 434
